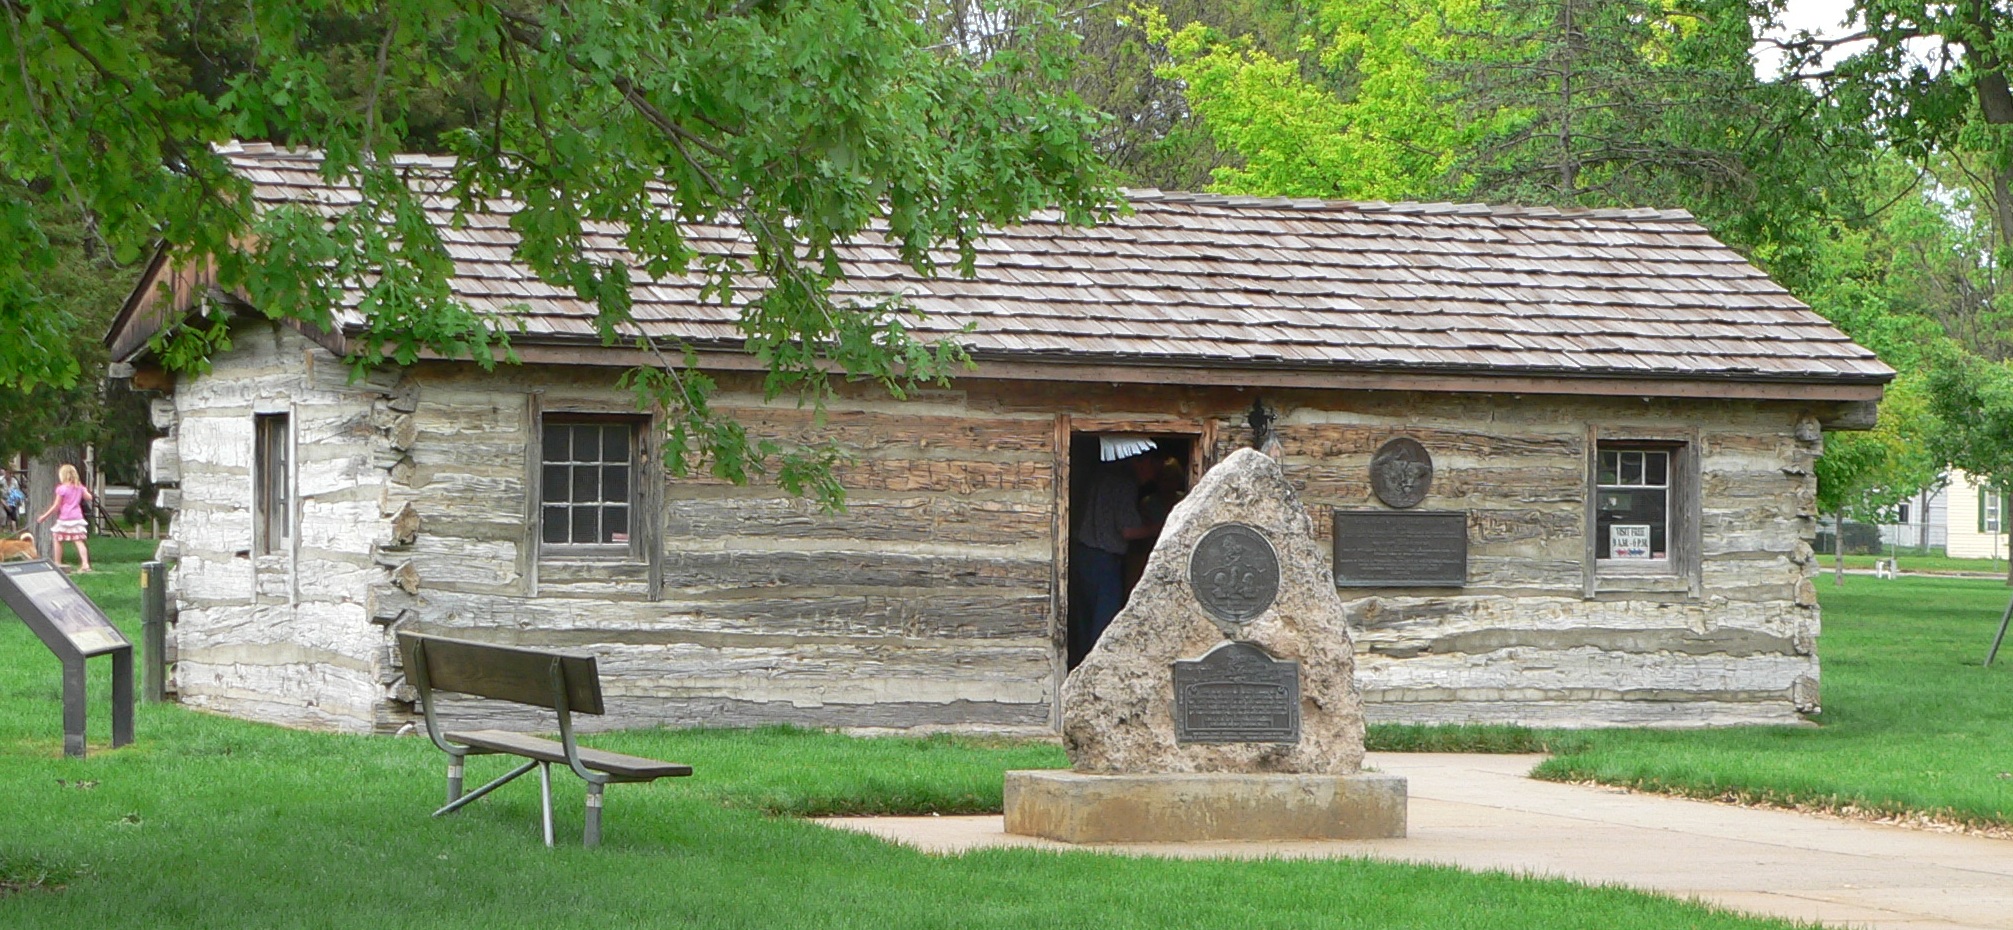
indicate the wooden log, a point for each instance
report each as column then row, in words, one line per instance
column 791, row 569
column 1330, row 440
column 1690, row 710
column 916, row 616
column 903, row 518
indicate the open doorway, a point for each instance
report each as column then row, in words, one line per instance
column 1100, row 493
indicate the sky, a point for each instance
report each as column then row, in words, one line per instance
column 1820, row 16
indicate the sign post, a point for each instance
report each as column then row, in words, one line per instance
column 75, row 630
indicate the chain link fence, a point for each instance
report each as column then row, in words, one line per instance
column 1895, row 539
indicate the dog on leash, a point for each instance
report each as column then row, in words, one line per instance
column 21, row 547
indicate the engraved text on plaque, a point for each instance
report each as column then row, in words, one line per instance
column 1379, row 548
column 1237, row 693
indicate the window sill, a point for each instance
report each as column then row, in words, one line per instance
column 1660, row 579
column 1635, row 568
column 614, row 555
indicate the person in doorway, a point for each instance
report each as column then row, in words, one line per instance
column 1109, row 523
column 68, row 508
column 1156, row 501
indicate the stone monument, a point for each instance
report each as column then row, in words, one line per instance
column 1221, row 703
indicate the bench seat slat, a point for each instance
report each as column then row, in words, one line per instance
column 627, row 768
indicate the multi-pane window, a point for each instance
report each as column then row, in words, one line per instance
column 1991, row 509
column 586, row 491
column 1632, row 504
column 272, row 514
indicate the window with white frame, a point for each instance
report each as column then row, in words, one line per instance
column 1632, row 503
column 587, row 487
column 1991, row 510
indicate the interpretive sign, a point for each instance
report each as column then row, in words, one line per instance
column 1234, row 572
column 1401, row 473
column 1236, row 693
column 74, row 629
column 1378, row 549
column 45, row 598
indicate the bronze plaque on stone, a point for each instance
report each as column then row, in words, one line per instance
column 1401, row 473
column 1234, row 572
column 1381, row 549
column 1237, row 693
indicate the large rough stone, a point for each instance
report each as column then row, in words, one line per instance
column 1118, row 706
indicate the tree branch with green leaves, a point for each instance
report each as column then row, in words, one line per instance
column 808, row 123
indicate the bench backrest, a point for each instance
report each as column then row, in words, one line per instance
column 508, row 673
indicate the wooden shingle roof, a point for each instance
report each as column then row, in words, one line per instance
column 1191, row 279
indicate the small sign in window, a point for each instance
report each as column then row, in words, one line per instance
column 1629, row 541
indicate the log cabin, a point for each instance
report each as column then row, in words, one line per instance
column 1624, row 410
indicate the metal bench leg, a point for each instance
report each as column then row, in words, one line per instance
column 593, row 837
column 545, row 797
column 454, row 771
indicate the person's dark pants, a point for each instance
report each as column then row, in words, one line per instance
column 1102, row 575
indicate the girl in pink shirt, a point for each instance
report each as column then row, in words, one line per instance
column 69, row 510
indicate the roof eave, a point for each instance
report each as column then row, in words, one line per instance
column 1088, row 367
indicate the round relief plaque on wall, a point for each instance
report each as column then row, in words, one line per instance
column 1401, row 472
column 1234, row 572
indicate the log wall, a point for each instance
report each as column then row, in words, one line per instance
column 287, row 637
column 933, row 601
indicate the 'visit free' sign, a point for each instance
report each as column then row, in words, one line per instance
column 1629, row 541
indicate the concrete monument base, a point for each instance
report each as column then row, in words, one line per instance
column 1074, row 807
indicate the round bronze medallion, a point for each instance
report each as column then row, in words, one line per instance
column 1401, row 472
column 1234, row 572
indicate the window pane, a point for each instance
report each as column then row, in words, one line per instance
column 1657, row 469
column 586, row 443
column 555, row 484
column 1610, row 467
column 1632, row 524
column 1632, row 468
column 587, row 480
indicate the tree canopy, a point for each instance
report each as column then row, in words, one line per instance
column 1873, row 175
column 806, row 121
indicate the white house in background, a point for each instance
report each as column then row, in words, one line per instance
column 1977, row 519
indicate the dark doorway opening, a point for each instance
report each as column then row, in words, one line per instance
column 1175, row 453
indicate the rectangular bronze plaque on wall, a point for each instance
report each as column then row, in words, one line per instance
column 1401, row 548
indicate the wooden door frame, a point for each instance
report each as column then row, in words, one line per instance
column 1200, row 430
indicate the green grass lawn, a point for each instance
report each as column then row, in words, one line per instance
column 1920, row 563
column 215, row 823
column 1911, row 721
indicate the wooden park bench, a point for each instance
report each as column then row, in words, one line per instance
column 564, row 682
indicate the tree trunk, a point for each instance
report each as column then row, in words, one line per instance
column 1838, row 550
column 41, row 485
column 1568, row 181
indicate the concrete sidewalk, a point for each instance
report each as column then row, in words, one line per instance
column 1480, row 812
